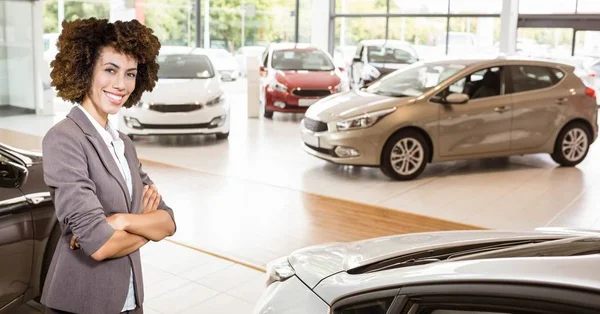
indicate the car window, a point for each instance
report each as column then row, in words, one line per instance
column 558, row 74
column 527, row 78
column 389, row 55
column 480, row 84
column 414, row 80
column 297, row 60
column 464, row 312
column 185, row 67
column 370, row 307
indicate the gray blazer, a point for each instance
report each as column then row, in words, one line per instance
column 87, row 186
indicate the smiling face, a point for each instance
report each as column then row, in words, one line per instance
column 113, row 81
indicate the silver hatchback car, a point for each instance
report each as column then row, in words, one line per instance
column 553, row 271
column 456, row 109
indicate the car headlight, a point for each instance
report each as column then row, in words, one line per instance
column 279, row 270
column 274, row 85
column 143, row 105
column 370, row 73
column 363, row 121
column 342, row 87
column 216, row 101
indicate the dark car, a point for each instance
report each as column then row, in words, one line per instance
column 376, row 58
column 28, row 228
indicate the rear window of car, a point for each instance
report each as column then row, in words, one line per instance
column 185, row 67
column 370, row 307
column 301, row 60
column 527, row 78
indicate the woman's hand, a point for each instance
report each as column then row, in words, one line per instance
column 74, row 244
column 151, row 199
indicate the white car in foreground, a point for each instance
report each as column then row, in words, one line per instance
column 553, row 271
column 187, row 99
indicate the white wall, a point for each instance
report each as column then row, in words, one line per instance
column 18, row 30
column 3, row 61
column 320, row 24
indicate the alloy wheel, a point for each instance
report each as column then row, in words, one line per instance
column 407, row 156
column 575, row 144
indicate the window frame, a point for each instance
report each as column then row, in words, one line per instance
column 441, row 95
column 555, row 80
column 546, row 296
column 368, row 297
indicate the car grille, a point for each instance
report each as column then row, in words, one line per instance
column 314, row 125
column 311, row 92
column 176, row 108
column 321, row 150
column 175, row 126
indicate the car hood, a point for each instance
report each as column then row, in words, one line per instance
column 225, row 64
column 352, row 103
column 316, row 263
column 183, row 91
column 308, row 79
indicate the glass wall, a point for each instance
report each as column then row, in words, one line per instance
column 426, row 34
column 16, row 57
column 433, row 28
column 232, row 23
column 547, row 6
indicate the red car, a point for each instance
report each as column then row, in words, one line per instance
column 294, row 76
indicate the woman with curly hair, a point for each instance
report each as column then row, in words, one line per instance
column 106, row 206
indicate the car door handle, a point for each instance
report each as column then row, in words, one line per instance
column 562, row 100
column 501, row 109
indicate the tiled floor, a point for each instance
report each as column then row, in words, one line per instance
column 520, row 192
column 514, row 193
column 180, row 280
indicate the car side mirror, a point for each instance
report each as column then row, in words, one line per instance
column 12, row 175
column 457, row 99
column 356, row 59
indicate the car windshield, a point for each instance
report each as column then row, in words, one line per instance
column 298, row 60
column 415, row 80
column 378, row 54
column 185, row 67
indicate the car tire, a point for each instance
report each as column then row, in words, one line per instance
column 48, row 254
column 411, row 154
column 572, row 145
column 222, row 136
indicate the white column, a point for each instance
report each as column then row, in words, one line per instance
column 19, row 55
column 61, row 14
column 41, row 70
column 122, row 10
column 508, row 26
column 206, row 24
column 320, row 24
column 253, row 80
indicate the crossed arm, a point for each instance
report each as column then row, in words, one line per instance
column 132, row 231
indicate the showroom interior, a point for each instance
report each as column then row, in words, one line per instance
column 258, row 191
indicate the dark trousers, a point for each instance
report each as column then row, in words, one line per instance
column 138, row 310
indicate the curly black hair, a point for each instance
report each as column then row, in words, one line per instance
column 80, row 44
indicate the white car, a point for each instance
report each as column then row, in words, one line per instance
column 224, row 62
column 553, row 271
column 244, row 53
column 187, row 99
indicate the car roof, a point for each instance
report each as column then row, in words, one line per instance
column 386, row 42
column 285, row 46
column 570, row 272
column 498, row 60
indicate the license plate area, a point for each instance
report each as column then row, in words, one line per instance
column 306, row 102
column 310, row 140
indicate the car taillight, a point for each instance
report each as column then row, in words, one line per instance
column 592, row 74
column 590, row 92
